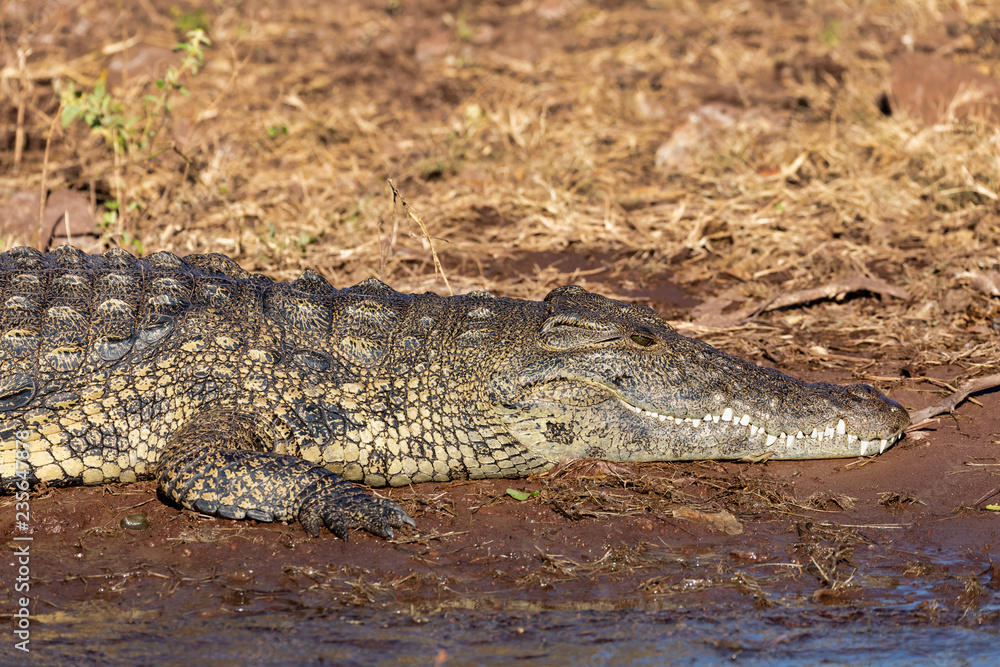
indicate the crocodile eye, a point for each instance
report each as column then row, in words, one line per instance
column 644, row 341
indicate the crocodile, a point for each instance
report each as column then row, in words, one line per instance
column 247, row 398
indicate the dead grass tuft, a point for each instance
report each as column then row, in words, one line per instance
column 898, row 501
column 829, row 551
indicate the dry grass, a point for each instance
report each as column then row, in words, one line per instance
column 526, row 132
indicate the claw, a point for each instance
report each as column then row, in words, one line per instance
column 339, row 530
column 311, row 522
column 396, row 517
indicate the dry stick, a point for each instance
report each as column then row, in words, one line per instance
column 22, row 102
column 3, row 29
column 416, row 218
column 922, row 417
column 385, row 249
column 989, row 494
column 42, row 189
column 833, row 289
column 838, row 289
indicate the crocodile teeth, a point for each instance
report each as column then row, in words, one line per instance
column 787, row 439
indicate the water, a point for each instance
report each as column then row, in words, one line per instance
column 774, row 637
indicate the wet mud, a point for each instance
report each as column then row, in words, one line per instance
column 750, row 559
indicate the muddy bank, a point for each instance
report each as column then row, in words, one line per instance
column 897, row 540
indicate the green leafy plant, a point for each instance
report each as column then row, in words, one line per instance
column 189, row 21
column 128, row 134
column 194, row 59
column 102, row 113
column 107, row 116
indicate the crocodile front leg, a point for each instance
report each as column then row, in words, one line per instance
column 218, row 465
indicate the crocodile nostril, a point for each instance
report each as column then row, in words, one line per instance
column 621, row 379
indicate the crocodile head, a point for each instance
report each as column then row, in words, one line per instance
column 615, row 381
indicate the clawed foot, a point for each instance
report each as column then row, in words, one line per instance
column 201, row 474
column 342, row 506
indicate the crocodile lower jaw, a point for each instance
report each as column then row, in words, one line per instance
column 833, row 435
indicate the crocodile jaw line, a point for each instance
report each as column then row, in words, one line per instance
column 834, row 435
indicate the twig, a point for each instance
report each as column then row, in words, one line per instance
column 837, row 290
column 416, row 218
column 710, row 311
column 22, row 102
column 923, row 417
column 42, row 189
column 424, row 537
column 988, row 495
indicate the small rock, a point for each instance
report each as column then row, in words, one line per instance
column 19, row 217
column 648, row 107
column 67, row 218
column 554, row 10
column 432, row 48
column 67, row 213
column 135, row 522
column 934, row 89
column 708, row 130
column 691, row 140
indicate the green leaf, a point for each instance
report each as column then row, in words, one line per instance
column 305, row 238
column 522, row 495
column 70, row 113
column 995, row 508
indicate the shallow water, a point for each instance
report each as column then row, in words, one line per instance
column 889, row 619
column 842, row 636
